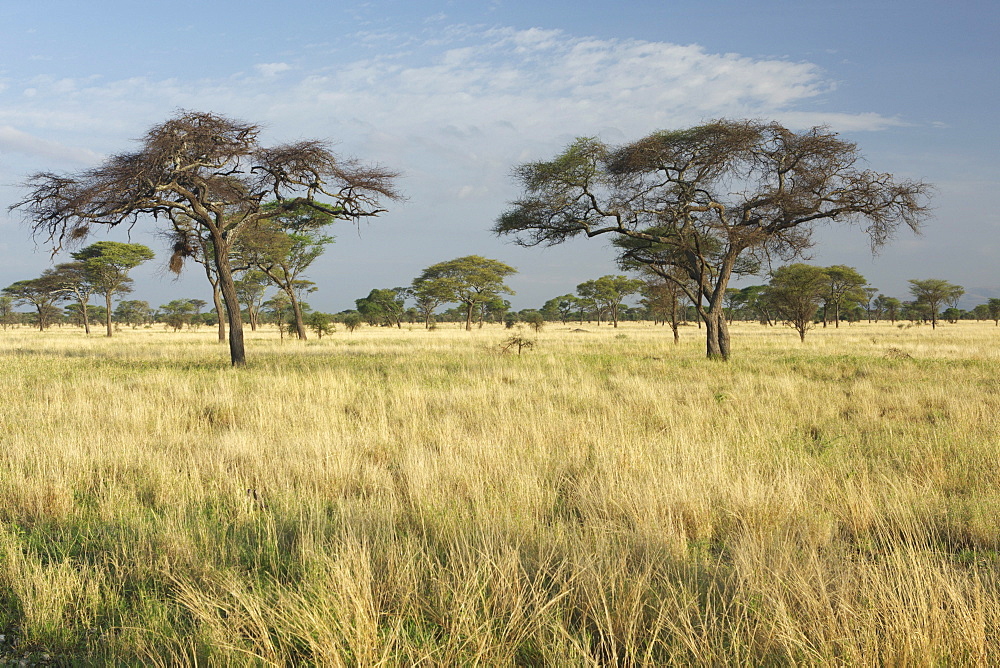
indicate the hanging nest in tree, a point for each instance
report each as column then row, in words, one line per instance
column 184, row 247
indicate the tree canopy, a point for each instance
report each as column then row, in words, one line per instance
column 608, row 292
column 708, row 198
column 795, row 291
column 107, row 264
column 932, row 293
column 210, row 171
column 43, row 293
column 471, row 281
column 283, row 246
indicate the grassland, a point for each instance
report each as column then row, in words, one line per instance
column 395, row 497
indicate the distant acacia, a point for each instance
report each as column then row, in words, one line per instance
column 471, row 281
column 932, row 293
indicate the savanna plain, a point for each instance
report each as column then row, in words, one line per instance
column 411, row 497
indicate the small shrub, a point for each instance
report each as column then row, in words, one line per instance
column 352, row 321
column 516, row 341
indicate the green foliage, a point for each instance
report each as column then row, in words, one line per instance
column 845, row 288
column 133, row 312
column 607, row 293
column 42, row 293
column 669, row 202
column 993, row 305
column 282, row 247
column 382, row 307
column 560, row 308
column 7, row 315
column 352, row 321
column 471, row 280
column 517, row 342
column 320, row 323
column 177, row 313
column 107, row 264
column 532, row 318
column 888, row 307
column 932, row 293
column 795, row 292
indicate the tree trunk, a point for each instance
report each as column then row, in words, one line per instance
column 673, row 322
column 468, row 317
column 86, row 321
column 713, row 327
column 107, row 317
column 220, row 312
column 227, row 285
column 723, row 335
column 300, row 325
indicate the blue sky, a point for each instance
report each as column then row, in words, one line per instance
column 455, row 94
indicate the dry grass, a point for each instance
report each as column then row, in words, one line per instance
column 395, row 497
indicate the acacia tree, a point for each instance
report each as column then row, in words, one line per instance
column 560, row 308
column 133, row 312
column 662, row 299
column 469, row 280
column 706, row 198
column 191, row 241
column 283, row 246
column 177, row 313
column 608, row 293
column 382, row 307
column 213, row 171
column 870, row 294
column 43, row 293
column 250, row 289
column 428, row 294
column 993, row 307
column 77, row 280
column 931, row 293
column 844, row 286
column 795, row 292
column 888, row 307
column 754, row 298
column 108, row 263
column 7, row 315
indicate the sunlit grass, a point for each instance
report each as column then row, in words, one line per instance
column 407, row 497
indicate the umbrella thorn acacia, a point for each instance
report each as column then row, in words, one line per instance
column 211, row 170
column 710, row 201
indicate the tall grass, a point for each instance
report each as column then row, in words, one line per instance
column 397, row 497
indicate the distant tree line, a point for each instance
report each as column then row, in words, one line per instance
column 468, row 290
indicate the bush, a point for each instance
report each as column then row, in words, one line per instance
column 352, row 321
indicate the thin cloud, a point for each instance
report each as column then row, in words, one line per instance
column 16, row 141
column 534, row 79
column 268, row 70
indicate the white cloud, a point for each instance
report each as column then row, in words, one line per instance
column 271, row 69
column 538, row 84
column 16, row 141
